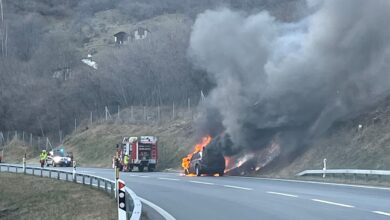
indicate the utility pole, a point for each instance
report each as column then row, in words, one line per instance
column 132, row 113
column 144, row 113
column 108, row 115
column 2, row 138
column 173, row 110
column 6, row 39
column 2, row 27
column 158, row 113
column 60, row 135
column 118, row 112
column 106, row 111
column 48, row 144
column 75, row 125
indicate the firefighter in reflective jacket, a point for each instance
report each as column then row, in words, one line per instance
column 42, row 158
column 126, row 162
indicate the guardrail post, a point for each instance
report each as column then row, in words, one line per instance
column 58, row 175
column 83, row 180
column 24, row 165
column 112, row 189
column 116, row 179
column 122, row 214
column 74, row 171
column 41, row 173
column 49, row 173
column 90, row 181
column 7, row 168
column 66, row 174
column 33, row 171
column 98, row 180
column 324, row 169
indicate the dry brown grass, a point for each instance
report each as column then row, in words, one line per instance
column 96, row 146
column 346, row 147
column 28, row 197
column 15, row 150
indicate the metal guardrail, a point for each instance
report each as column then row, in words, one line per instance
column 354, row 172
column 134, row 205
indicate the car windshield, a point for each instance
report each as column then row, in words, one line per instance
column 59, row 153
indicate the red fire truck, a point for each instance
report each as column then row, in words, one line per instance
column 142, row 153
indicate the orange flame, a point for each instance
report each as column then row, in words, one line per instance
column 198, row 148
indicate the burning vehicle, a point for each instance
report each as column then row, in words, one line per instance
column 204, row 160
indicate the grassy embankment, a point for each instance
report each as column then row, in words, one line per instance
column 344, row 146
column 28, row 197
column 96, row 146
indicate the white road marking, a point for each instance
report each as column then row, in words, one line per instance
column 237, row 187
column 161, row 211
column 333, row 203
column 200, row 182
column 164, row 178
column 313, row 182
column 381, row 213
column 282, row 194
column 144, row 176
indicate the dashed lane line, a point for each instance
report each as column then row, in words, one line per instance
column 381, row 213
column 313, row 182
column 237, row 187
column 333, row 203
column 200, row 182
column 171, row 179
column 283, row 194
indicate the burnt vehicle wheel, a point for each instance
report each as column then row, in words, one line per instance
column 53, row 164
column 141, row 169
column 197, row 170
column 221, row 173
column 150, row 169
column 186, row 172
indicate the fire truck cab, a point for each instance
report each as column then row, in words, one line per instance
column 142, row 152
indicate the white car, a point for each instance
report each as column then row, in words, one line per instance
column 58, row 158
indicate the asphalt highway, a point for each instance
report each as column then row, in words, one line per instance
column 244, row 198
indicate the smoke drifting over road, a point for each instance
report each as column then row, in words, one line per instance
column 291, row 80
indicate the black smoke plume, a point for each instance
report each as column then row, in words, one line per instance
column 291, row 80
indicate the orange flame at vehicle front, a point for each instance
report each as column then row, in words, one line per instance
column 198, row 147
